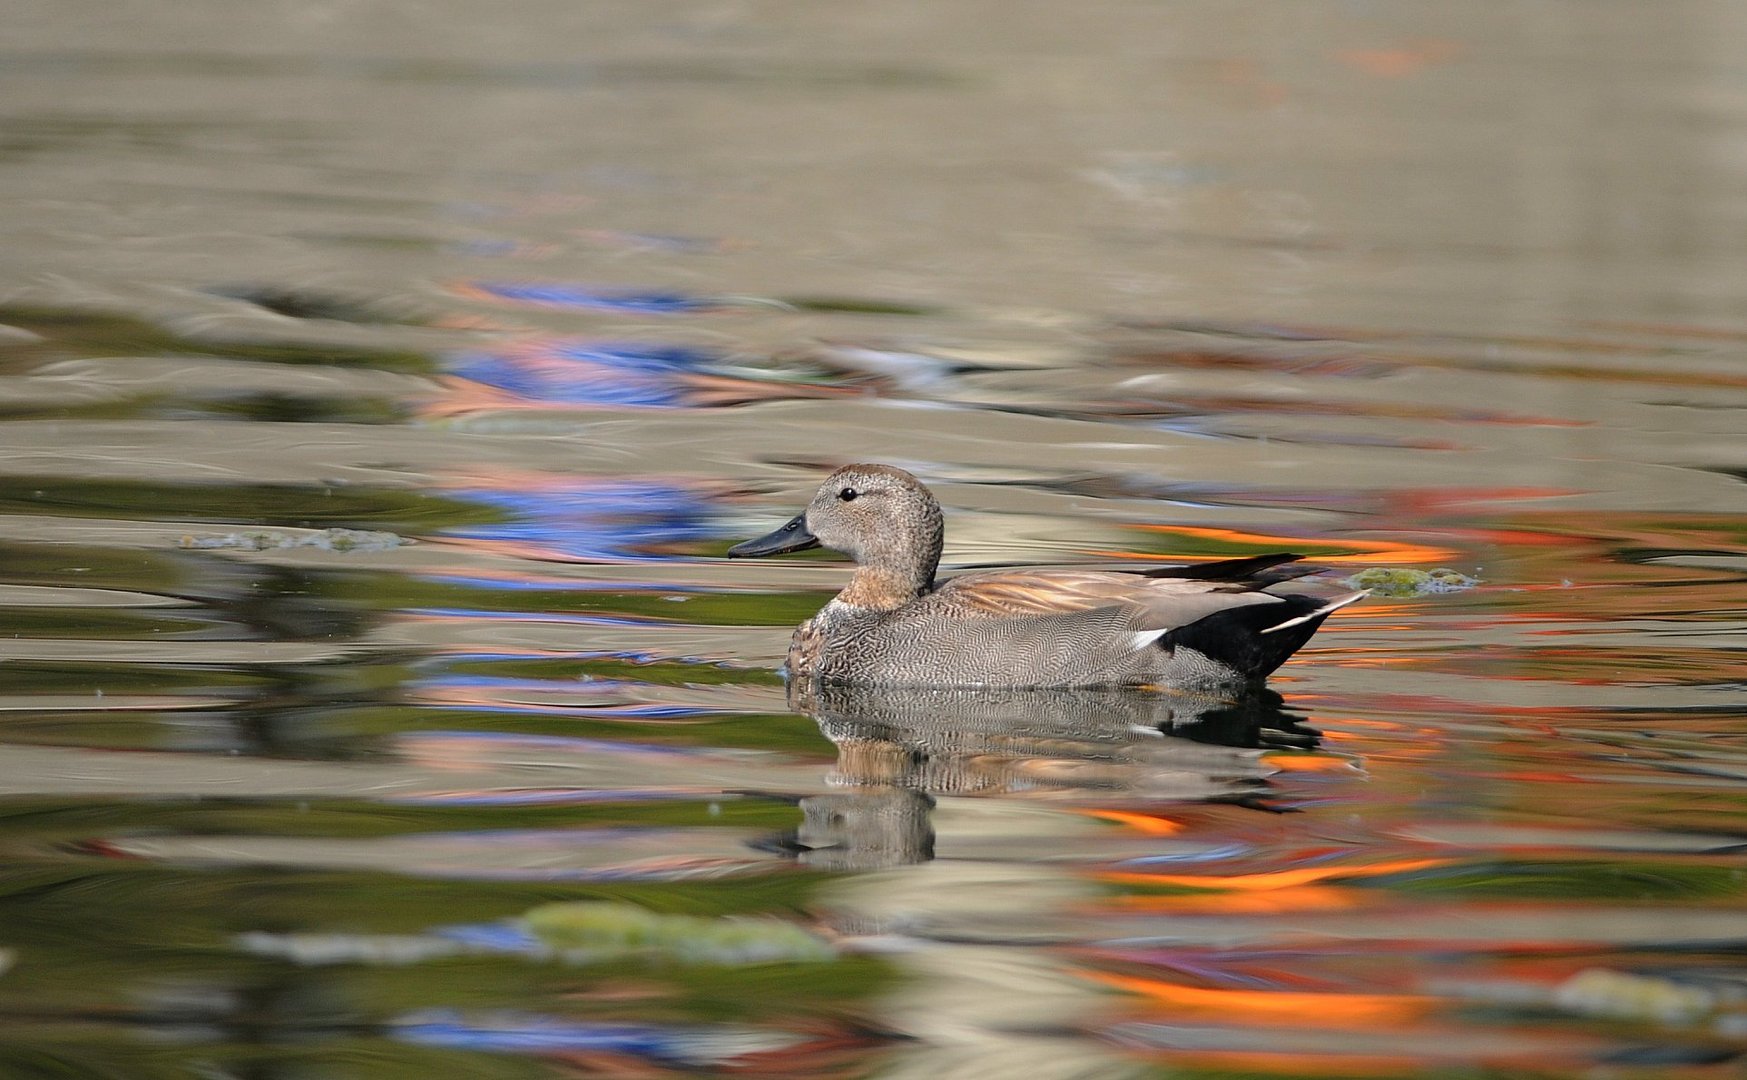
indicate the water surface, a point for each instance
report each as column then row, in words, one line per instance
column 382, row 388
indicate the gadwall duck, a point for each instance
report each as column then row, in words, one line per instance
column 1210, row 624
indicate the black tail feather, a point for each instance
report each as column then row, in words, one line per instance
column 1235, row 639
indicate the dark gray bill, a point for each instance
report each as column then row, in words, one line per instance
column 791, row 537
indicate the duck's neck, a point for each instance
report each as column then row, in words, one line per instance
column 879, row 588
column 894, row 568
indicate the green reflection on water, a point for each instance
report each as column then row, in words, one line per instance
column 40, row 822
column 113, row 624
column 785, row 732
column 87, row 333
column 93, row 567
column 102, row 940
column 1617, row 880
column 88, row 904
column 192, row 680
column 283, row 408
column 243, row 504
column 88, row 1051
column 691, row 608
column 653, row 672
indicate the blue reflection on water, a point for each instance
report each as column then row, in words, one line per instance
column 499, row 937
column 594, row 519
column 579, row 372
column 573, row 295
column 1217, row 853
column 530, row 1033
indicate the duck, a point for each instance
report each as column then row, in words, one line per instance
column 1212, row 625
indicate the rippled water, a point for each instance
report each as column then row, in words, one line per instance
column 382, row 387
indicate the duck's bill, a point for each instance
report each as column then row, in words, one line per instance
column 794, row 536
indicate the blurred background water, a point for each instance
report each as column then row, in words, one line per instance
column 383, row 382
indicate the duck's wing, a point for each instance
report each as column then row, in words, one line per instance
column 1256, row 571
column 1151, row 604
column 1086, row 627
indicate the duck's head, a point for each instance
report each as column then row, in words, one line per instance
column 880, row 516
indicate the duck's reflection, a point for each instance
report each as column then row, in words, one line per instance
column 899, row 747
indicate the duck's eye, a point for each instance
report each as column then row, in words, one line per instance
column 848, row 494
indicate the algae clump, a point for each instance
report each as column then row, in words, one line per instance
column 612, row 930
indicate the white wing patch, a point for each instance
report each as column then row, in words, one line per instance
column 1141, row 639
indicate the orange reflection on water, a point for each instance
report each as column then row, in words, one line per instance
column 1364, row 551
column 1302, row 1063
column 465, row 396
column 1363, row 722
column 1289, row 900
column 1372, row 658
column 1274, row 1006
column 1522, row 538
column 1304, row 761
column 1273, row 879
column 1146, row 824
column 1400, row 61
